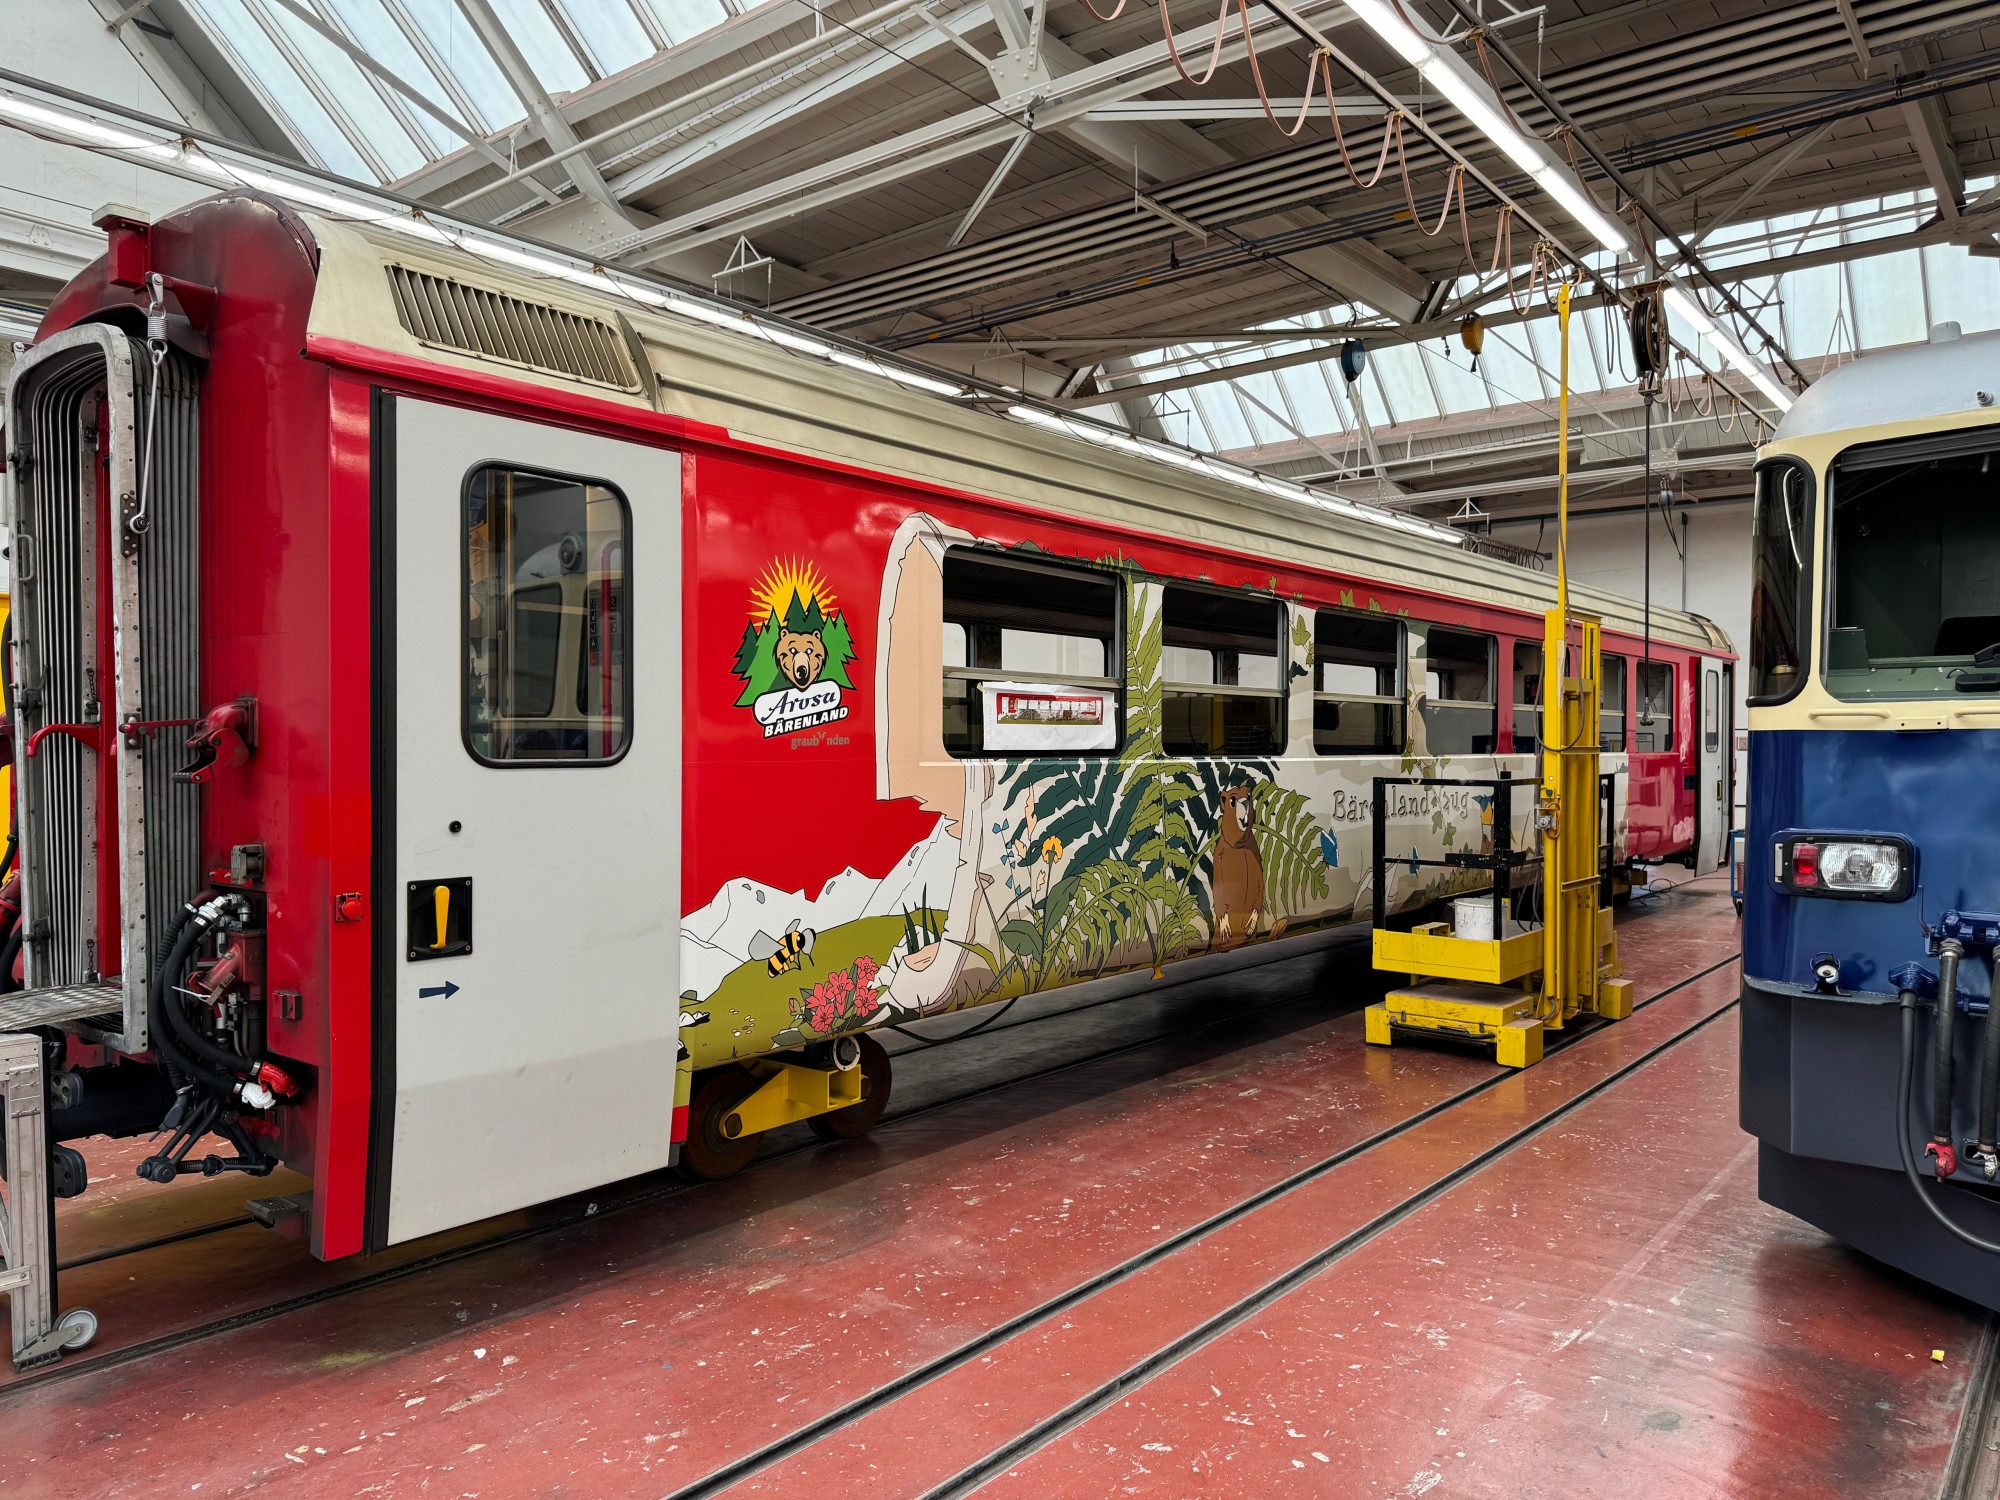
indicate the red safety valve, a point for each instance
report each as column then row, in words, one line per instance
column 222, row 743
column 1947, row 1157
column 277, row 1080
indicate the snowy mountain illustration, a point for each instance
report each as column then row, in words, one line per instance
column 716, row 939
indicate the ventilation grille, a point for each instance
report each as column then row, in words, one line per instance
column 491, row 325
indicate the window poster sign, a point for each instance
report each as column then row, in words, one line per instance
column 1042, row 717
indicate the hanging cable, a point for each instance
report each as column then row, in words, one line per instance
column 1214, row 51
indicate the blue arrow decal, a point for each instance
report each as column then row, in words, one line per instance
column 446, row 990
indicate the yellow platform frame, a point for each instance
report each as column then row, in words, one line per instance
column 1510, row 991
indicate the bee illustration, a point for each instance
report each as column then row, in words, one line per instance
column 786, row 952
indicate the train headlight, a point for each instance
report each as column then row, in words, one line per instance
column 1869, row 867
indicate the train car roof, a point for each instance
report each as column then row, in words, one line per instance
column 794, row 400
column 1918, row 384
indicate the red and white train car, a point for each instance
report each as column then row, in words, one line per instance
column 465, row 719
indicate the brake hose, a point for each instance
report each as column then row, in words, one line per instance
column 1908, row 1001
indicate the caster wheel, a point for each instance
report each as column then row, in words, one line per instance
column 859, row 1119
column 79, row 1325
column 707, row 1155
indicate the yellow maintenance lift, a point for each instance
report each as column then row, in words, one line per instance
column 1510, row 984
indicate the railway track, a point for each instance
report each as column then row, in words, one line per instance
column 653, row 1189
column 1115, row 1389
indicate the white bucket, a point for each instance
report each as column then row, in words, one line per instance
column 1472, row 918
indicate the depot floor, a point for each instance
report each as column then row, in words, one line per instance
column 1200, row 1241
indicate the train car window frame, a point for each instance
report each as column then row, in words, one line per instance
column 1849, row 670
column 1639, row 701
column 1395, row 701
column 1489, row 705
column 1611, row 706
column 1770, row 545
column 1187, row 596
column 477, row 677
column 967, row 742
column 1524, row 653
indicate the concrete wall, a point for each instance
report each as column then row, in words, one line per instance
column 1608, row 550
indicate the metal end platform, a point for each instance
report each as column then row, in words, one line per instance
column 99, row 1006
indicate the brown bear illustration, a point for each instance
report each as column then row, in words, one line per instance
column 801, row 655
column 1237, row 875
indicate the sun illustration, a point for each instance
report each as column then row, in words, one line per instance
column 773, row 592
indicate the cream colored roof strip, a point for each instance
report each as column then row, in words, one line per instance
column 761, row 393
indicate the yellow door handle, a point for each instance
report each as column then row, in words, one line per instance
column 442, row 896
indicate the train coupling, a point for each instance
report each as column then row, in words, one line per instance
column 1985, row 1157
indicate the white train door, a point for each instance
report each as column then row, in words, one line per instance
column 1711, row 782
column 534, row 805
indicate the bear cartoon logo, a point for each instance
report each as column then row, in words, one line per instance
column 1237, row 875
column 794, row 653
column 801, row 655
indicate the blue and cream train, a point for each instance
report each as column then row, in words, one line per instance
column 1872, row 855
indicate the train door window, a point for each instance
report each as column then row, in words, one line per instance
column 1611, row 704
column 1780, row 579
column 1460, row 712
column 1711, row 711
column 1008, row 619
column 547, row 661
column 1656, row 706
column 1358, row 687
column 1527, row 698
column 1223, row 666
column 1913, row 568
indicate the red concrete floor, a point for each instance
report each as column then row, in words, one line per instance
column 1605, row 1304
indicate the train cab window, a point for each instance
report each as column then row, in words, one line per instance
column 1611, row 704
column 1358, row 684
column 1527, row 698
column 1223, row 669
column 547, row 661
column 1009, row 619
column 1460, row 712
column 1656, row 707
column 1780, row 579
column 1913, row 573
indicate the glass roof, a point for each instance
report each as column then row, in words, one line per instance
column 358, row 123
column 1817, row 312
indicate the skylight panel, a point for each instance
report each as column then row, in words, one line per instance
column 260, row 60
column 1813, row 300
column 376, row 33
column 1458, row 388
column 381, row 134
column 1398, row 369
column 555, row 66
column 461, row 53
column 1305, row 387
column 681, row 19
column 609, row 29
column 1223, row 415
column 1888, row 299
column 1964, row 288
column 1509, row 374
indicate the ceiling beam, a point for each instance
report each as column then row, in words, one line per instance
column 541, row 108
column 925, row 148
column 1930, row 137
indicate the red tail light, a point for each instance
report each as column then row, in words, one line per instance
column 1805, row 864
